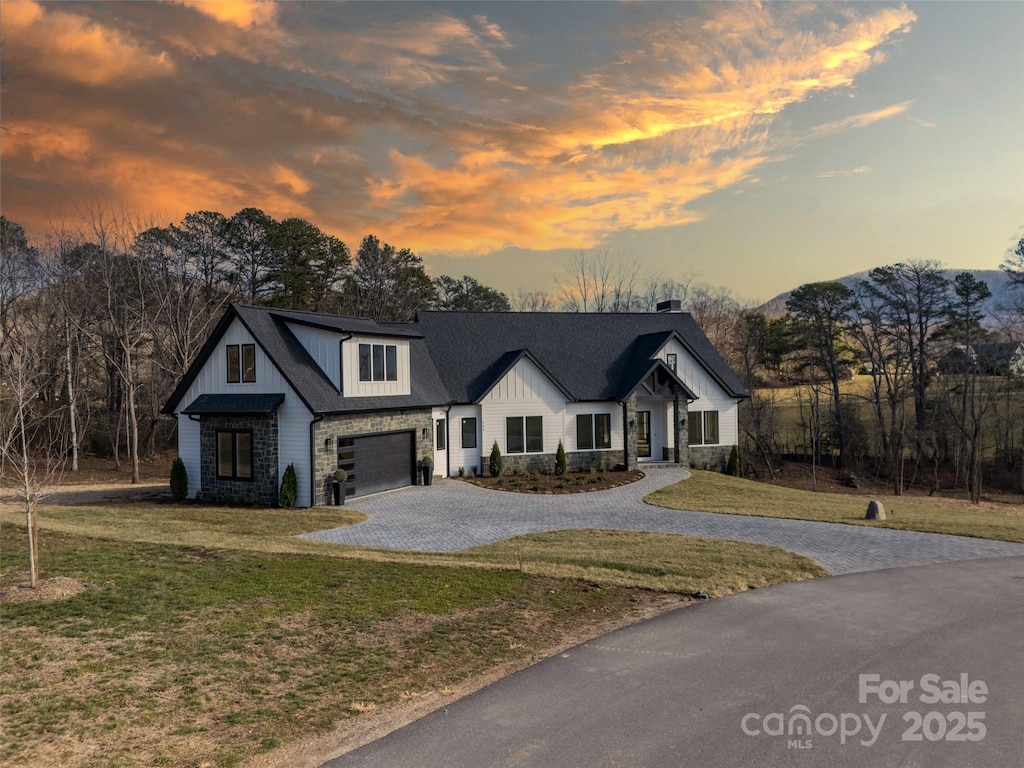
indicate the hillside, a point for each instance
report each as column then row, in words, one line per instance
column 998, row 283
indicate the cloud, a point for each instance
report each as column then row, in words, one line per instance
column 443, row 133
column 74, row 48
column 851, row 172
column 240, row 13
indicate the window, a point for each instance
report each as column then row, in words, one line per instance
column 593, row 431
column 711, row 427
column 440, row 434
column 670, row 361
column 584, row 432
column 514, row 435
column 241, row 363
column 378, row 362
column 702, row 428
column 469, row 433
column 694, row 428
column 524, row 434
column 234, row 455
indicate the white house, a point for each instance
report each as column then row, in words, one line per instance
column 274, row 387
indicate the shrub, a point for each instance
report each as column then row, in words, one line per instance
column 179, row 480
column 289, row 487
column 733, row 467
column 427, row 461
column 462, row 471
column 495, row 465
column 560, row 467
column 340, row 475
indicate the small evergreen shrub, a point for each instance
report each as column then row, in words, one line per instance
column 733, row 466
column 495, row 465
column 462, row 471
column 289, row 487
column 179, row 480
column 340, row 475
column 560, row 466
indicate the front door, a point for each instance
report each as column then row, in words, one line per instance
column 643, row 434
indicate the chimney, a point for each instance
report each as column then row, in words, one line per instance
column 670, row 306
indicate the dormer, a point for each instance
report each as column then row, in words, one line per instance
column 374, row 366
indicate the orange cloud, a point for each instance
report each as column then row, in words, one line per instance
column 76, row 48
column 240, row 13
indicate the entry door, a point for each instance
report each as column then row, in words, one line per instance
column 643, row 434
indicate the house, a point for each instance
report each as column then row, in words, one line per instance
column 273, row 387
column 995, row 359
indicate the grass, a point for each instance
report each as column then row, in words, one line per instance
column 184, row 655
column 713, row 492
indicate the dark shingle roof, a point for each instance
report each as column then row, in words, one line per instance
column 235, row 404
column 592, row 356
column 458, row 356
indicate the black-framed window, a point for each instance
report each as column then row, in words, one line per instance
column 702, row 428
column 234, row 454
column 469, row 432
column 711, row 428
column 440, row 434
column 524, row 433
column 378, row 362
column 241, row 363
column 672, row 361
column 695, row 428
column 593, row 430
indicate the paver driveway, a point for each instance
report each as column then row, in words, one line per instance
column 452, row 515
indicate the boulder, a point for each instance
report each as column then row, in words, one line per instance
column 875, row 511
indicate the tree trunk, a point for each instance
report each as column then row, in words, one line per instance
column 72, row 422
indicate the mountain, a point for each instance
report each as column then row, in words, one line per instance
column 998, row 283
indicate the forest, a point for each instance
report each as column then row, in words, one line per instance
column 99, row 321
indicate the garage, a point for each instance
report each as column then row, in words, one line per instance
column 377, row 462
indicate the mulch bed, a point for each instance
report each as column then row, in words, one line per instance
column 572, row 482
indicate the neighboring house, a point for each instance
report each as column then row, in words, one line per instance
column 274, row 387
column 997, row 359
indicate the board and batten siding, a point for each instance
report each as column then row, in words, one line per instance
column 353, row 387
column 323, row 346
column 711, row 396
column 523, row 391
column 293, row 418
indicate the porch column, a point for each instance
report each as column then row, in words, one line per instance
column 677, row 428
column 629, row 448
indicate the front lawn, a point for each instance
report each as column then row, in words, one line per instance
column 713, row 492
column 187, row 655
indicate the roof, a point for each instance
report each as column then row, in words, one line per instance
column 268, row 328
column 235, row 404
column 457, row 357
column 590, row 356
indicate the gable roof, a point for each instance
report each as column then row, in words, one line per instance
column 268, row 328
column 591, row 356
column 506, row 363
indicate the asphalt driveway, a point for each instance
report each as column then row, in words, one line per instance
column 452, row 515
column 725, row 683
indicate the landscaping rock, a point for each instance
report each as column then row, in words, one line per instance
column 875, row 511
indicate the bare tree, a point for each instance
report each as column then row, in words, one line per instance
column 605, row 282
column 530, row 301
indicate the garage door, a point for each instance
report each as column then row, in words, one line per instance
column 377, row 462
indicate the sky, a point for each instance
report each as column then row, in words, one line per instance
column 749, row 146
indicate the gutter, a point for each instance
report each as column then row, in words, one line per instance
column 448, row 441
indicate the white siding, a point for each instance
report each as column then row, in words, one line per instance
column 353, row 387
column 323, row 346
column 573, row 409
column 440, row 456
column 466, row 457
column 523, row 391
column 711, row 396
column 293, row 418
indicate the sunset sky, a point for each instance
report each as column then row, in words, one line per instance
column 749, row 146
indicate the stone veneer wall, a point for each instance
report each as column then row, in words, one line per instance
column 713, row 457
column 263, row 488
column 355, row 425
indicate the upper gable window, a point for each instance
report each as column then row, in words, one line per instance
column 671, row 361
column 378, row 362
column 241, row 363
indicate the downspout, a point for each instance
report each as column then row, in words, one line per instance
column 448, row 441
column 312, row 459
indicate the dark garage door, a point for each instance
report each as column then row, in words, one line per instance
column 377, row 462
